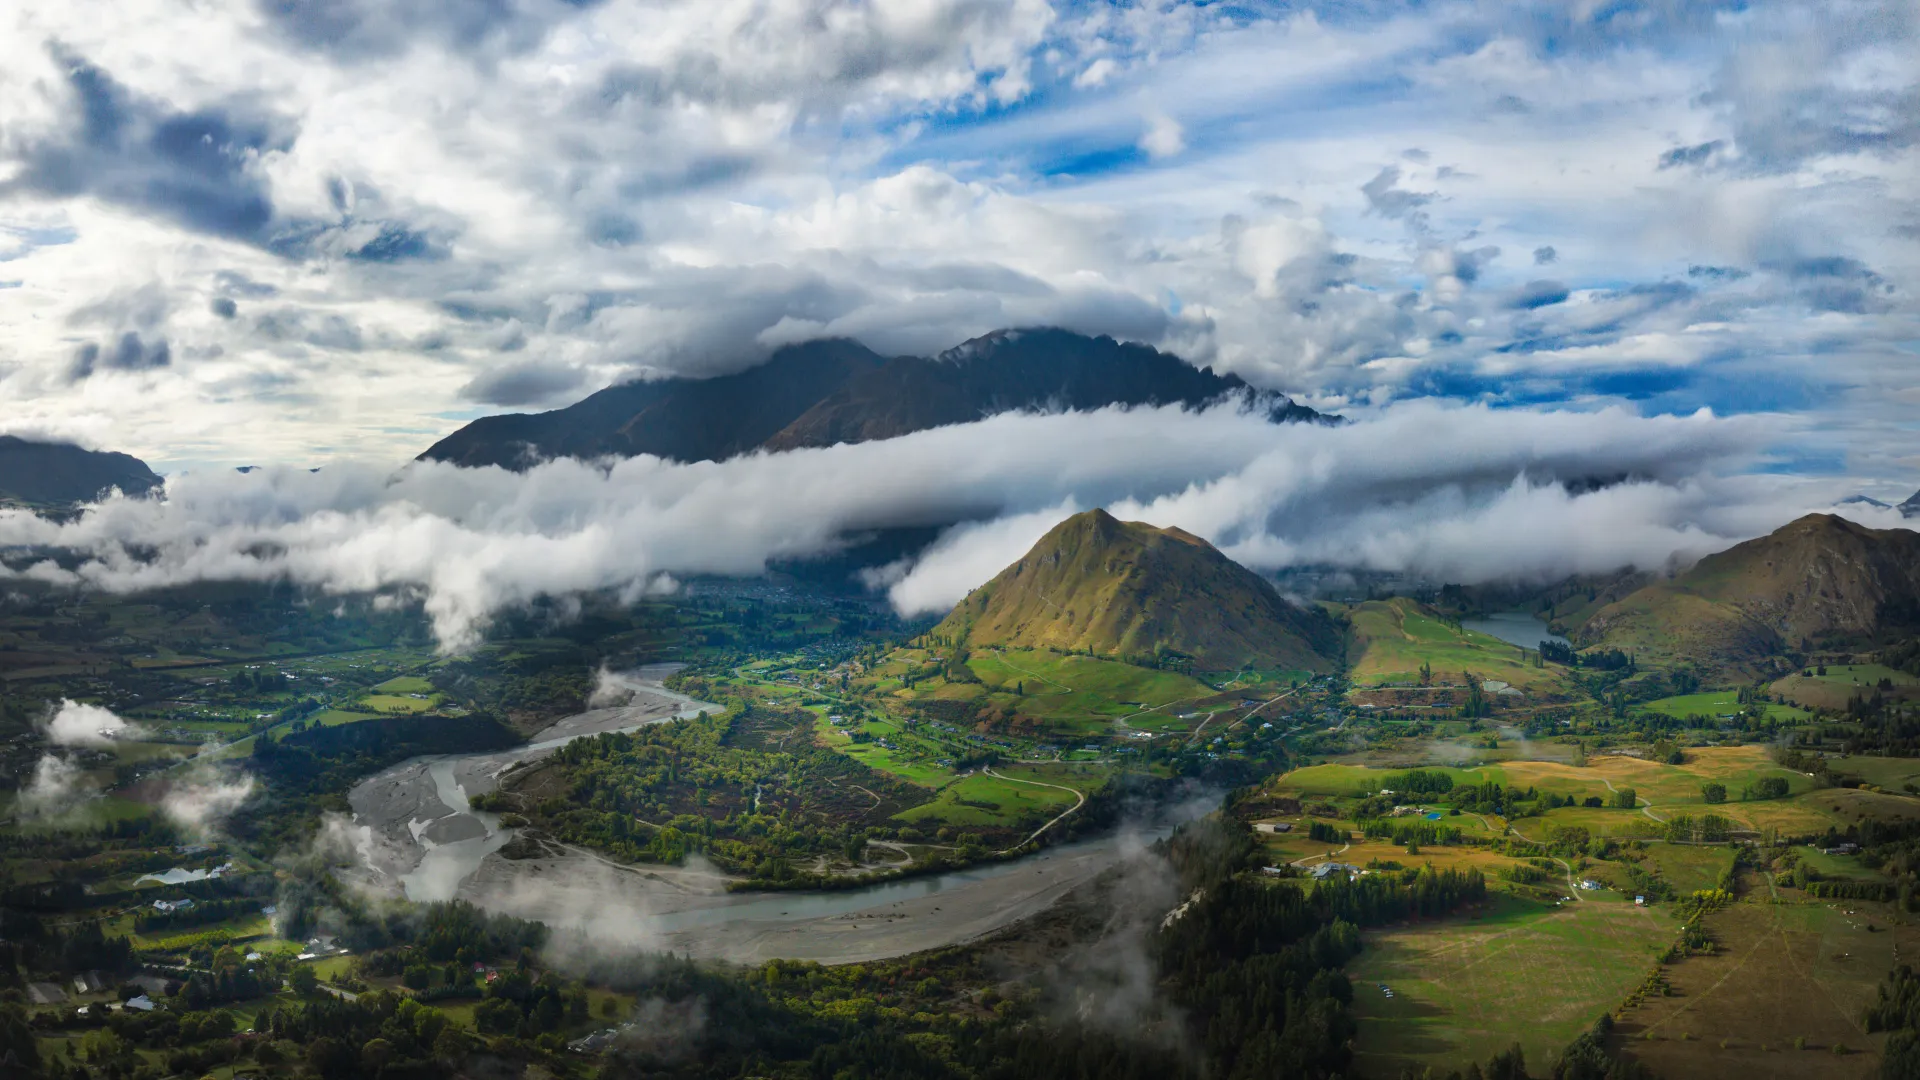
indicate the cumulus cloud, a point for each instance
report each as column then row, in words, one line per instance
column 58, row 786
column 202, row 801
column 344, row 213
column 1164, row 137
column 74, row 723
column 1415, row 486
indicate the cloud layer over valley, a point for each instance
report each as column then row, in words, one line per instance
column 1453, row 492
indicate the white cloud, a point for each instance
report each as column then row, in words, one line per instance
column 510, row 204
column 58, row 786
column 1163, row 137
column 74, row 723
column 202, row 800
column 1406, row 487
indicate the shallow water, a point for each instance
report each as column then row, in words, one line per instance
column 1520, row 628
column 797, row 906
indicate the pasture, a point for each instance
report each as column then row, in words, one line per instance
column 1467, row 987
column 1781, row 972
column 1843, row 681
column 1392, row 638
column 1718, row 703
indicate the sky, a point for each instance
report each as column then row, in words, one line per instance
column 325, row 233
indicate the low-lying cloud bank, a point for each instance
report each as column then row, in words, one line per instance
column 1464, row 493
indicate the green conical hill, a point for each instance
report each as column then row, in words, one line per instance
column 1128, row 590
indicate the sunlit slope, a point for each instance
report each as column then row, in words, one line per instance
column 1391, row 639
column 1130, row 590
column 1820, row 581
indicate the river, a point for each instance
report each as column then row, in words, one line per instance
column 1520, row 628
column 419, row 835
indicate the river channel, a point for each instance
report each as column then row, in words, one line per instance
column 419, row 835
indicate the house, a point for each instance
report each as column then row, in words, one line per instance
column 1639, row 901
column 143, row 1003
column 1327, row 870
column 1589, row 884
column 1274, row 827
column 1840, row 849
column 166, row 907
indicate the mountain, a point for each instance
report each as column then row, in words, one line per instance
column 1911, row 508
column 1817, row 582
column 49, row 472
column 825, row 392
column 1127, row 589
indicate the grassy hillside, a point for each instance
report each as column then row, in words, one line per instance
column 1819, row 582
column 1132, row 591
column 1391, row 639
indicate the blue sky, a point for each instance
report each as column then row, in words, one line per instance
column 307, row 233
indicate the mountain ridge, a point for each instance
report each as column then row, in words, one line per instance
column 1129, row 590
column 1819, row 581
column 821, row 393
column 37, row 472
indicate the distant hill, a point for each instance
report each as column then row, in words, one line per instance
column 1821, row 581
column 825, row 392
column 1911, row 508
column 49, row 472
column 1130, row 590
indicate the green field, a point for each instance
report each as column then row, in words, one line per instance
column 1719, row 703
column 405, row 684
column 395, row 703
column 1843, row 681
column 989, row 800
column 1393, row 638
column 1467, row 988
column 1067, row 694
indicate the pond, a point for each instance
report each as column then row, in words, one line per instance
column 1521, row 628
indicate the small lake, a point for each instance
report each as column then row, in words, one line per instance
column 1520, row 628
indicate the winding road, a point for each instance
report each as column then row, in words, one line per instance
column 1077, row 794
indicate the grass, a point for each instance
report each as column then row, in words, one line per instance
column 395, row 703
column 1466, row 988
column 1719, row 703
column 1393, row 638
column 986, row 800
column 1780, row 972
column 1841, row 682
column 1064, row 693
column 405, row 684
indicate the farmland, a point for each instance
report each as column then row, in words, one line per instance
column 1466, row 988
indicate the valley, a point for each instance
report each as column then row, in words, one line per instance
column 1496, row 845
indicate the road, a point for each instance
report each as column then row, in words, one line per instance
column 1077, row 794
column 1646, row 805
column 1572, row 889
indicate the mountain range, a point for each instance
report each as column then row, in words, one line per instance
column 1129, row 590
column 1910, row 508
column 1819, row 582
column 43, row 473
column 820, row 393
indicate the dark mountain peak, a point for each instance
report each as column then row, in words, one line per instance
column 831, row 391
column 1131, row 590
column 1911, row 508
column 58, row 473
